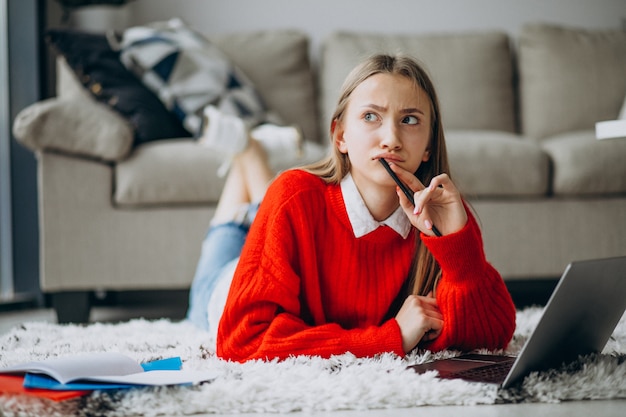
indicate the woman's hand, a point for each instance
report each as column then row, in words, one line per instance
column 419, row 319
column 437, row 204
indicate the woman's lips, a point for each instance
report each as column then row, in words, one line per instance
column 389, row 158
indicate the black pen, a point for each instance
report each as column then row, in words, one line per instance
column 406, row 190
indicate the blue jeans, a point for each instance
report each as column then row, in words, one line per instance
column 221, row 247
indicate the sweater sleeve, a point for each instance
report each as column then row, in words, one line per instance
column 265, row 316
column 477, row 308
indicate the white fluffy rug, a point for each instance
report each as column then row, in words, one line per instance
column 299, row 384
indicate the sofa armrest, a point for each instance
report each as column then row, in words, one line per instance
column 75, row 127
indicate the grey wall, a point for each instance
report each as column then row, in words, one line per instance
column 319, row 18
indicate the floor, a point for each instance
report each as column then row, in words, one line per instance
column 113, row 307
column 121, row 310
column 573, row 409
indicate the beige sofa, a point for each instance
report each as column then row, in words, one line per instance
column 519, row 116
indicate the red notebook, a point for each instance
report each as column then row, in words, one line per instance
column 14, row 384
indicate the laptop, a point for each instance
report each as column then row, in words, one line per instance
column 579, row 318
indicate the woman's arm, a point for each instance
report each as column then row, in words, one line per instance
column 477, row 308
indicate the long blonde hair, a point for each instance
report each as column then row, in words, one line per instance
column 425, row 271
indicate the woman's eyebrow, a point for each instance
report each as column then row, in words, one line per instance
column 403, row 111
column 412, row 110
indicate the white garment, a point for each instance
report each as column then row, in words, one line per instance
column 360, row 217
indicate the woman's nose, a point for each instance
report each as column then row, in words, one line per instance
column 390, row 137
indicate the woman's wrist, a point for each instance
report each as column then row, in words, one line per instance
column 458, row 251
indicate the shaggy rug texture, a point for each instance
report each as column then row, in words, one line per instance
column 299, row 384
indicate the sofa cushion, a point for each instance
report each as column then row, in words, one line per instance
column 277, row 62
column 188, row 73
column 584, row 165
column 168, row 173
column 569, row 78
column 97, row 69
column 497, row 164
column 78, row 126
column 180, row 171
column 472, row 73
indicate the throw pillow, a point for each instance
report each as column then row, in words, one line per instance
column 100, row 71
column 188, row 73
column 78, row 127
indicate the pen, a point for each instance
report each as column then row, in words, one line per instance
column 406, row 190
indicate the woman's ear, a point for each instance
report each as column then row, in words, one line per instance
column 336, row 131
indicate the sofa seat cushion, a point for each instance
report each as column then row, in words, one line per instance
column 176, row 172
column 584, row 165
column 497, row 164
column 168, row 172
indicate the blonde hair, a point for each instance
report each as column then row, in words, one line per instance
column 425, row 271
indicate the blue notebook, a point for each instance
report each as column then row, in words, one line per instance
column 42, row 381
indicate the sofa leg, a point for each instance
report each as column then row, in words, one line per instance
column 72, row 306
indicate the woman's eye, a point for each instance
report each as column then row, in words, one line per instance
column 410, row 120
column 370, row 117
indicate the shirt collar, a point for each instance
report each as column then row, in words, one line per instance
column 360, row 217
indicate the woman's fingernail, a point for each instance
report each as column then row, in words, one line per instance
column 416, row 210
column 428, row 224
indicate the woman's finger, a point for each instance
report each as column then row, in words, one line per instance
column 408, row 178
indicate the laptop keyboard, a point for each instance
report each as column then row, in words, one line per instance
column 494, row 373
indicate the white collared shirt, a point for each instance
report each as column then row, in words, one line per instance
column 360, row 217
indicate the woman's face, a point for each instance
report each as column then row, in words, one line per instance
column 387, row 116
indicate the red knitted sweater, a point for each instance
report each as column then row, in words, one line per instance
column 306, row 286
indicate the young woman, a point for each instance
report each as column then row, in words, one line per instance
column 339, row 260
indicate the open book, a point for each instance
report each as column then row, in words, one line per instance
column 96, row 370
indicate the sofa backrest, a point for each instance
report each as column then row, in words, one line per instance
column 278, row 64
column 569, row 78
column 472, row 72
